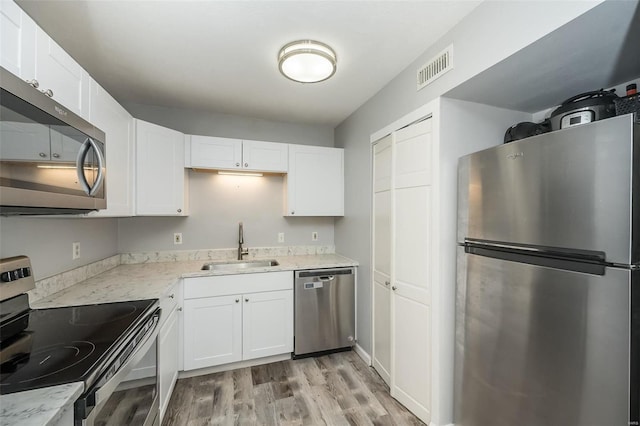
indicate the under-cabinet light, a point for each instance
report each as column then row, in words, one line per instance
column 232, row 173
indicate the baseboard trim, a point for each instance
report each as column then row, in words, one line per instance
column 435, row 424
column 362, row 354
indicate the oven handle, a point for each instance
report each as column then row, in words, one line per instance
column 105, row 391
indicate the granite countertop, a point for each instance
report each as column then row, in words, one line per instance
column 152, row 280
column 39, row 407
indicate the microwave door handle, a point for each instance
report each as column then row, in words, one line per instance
column 80, row 161
column 100, row 177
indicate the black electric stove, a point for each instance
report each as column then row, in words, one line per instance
column 47, row 347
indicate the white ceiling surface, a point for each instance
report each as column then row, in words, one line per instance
column 220, row 56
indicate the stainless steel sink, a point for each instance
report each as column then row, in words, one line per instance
column 238, row 264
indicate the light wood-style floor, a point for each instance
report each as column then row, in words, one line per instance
column 336, row 389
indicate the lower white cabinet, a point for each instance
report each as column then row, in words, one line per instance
column 167, row 359
column 232, row 318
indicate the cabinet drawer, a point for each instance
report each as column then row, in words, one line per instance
column 168, row 303
column 221, row 285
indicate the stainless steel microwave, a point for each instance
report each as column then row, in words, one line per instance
column 51, row 160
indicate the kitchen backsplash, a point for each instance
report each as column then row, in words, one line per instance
column 59, row 282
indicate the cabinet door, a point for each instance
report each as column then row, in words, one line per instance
column 57, row 71
column 17, row 40
column 212, row 331
column 167, row 360
column 160, row 173
column 117, row 124
column 265, row 156
column 216, row 153
column 267, row 324
column 315, row 182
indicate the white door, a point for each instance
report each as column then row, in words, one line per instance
column 216, row 153
column 58, row 72
column 17, row 41
column 267, row 324
column 315, row 182
column 117, row 123
column 265, row 156
column 382, row 257
column 411, row 284
column 212, row 331
column 167, row 360
column 160, row 172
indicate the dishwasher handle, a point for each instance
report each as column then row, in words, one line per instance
column 327, row 278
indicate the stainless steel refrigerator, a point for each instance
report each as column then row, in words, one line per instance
column 548, row 287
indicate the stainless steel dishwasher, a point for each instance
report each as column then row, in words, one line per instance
column 325, row 317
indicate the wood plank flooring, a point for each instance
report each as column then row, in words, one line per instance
column 336, row 389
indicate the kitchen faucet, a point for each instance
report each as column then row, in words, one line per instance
column 241, row 251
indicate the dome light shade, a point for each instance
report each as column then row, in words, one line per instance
column 307, row 61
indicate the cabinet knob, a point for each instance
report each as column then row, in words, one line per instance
column 179, row 210
column 42, row 154
column 246, row 164
column 237, row 300
column 394, row 288
column 180, row 308
column 237, row 164
column 292, row 212
column 171, row 296
column 56, row 155
column 33, row 83
column 246, row 300
column 48, row 92
column 387, row 283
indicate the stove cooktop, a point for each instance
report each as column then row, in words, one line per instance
column 64, row 345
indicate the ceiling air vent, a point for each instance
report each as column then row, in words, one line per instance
column 437, row 66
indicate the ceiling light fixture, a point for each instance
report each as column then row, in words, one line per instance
column 307, row 61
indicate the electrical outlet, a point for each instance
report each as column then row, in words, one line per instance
column 281, row 237
column 177, row 238
column 75, row 250
column 314, row 236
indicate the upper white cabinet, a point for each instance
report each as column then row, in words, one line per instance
column 17, row 41
column 118, row 124
column 234, row 154
column 315, row 183
column 161, row 180
column 56, row 71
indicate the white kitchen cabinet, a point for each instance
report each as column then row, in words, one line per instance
column 17, row 40
column 230, row 318
column 69, row 83
column 267, row 324
column 167, row 359
column 315, row 182
column 118, row 126
column 161, row 179
column 208, row 152
column 212, row 331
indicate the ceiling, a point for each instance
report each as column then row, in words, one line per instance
column 220, row 56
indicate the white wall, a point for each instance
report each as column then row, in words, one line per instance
column 48, row 241
column 217, row 204
column 493, row 31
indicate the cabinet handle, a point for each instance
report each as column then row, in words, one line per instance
column 237, row 164
column 33, row 83
column 246, row 300
column 387, row 283
column 56, row 155
column 179, row 210
column 48, row 92
column 246, row 164
column 394, row 288
column 42, row 154
column 180, row 308
column 237, row 300
column 171, row 296
column 292, row 212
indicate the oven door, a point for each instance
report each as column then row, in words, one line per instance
column 127, row 394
